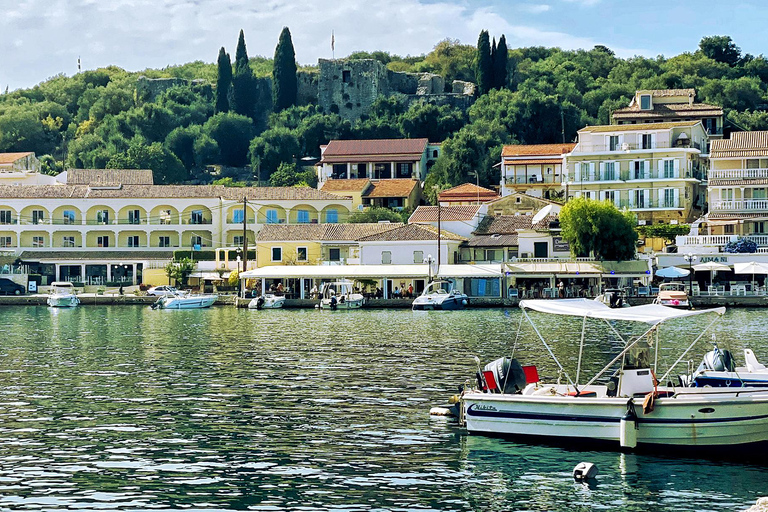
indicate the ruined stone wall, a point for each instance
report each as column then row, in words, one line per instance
column 349, row 87
column 307, row 87
column 149, row 89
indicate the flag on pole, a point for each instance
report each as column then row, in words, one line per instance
column 333, row 41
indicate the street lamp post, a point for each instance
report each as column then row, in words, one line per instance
column 690, row 258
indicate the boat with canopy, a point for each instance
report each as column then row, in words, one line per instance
column 627, row 408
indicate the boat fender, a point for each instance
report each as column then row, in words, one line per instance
column 584, row 471
column 464, row 302
column 628, row 427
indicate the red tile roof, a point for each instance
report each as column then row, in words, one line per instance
column 447, row 213
column 344, row 185
column 467, row 192
column 537, row 149
column 411, row 232
column 374, row 150
column 535, row 161
column 9, row 158
column 400, row 187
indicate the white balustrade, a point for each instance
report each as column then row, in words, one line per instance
column 741, row 204
column 737, row 174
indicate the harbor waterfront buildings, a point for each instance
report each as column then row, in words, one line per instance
column 118, row 224
column 534, row 169
column 655, row 169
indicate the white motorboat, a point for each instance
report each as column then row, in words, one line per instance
column 340, row 295
column 630, row 410
column 180, row 301
column 268, row 301
column 613, row 298
column 672, row 295
column 718, row 369
column 440, row 295
column 62, row 295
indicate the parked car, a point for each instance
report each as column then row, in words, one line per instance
column 164, row 291
column 8, row 287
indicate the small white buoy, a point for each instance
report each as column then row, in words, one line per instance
column 584, row 471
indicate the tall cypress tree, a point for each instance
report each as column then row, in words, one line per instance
column 284, row 83
column 243, row 82
column 493, row 63
column 500, row 63
column 223, row 82
column 483, row 64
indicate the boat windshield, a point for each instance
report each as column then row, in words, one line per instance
column 439, row 287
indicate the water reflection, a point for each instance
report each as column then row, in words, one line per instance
column 128, row 408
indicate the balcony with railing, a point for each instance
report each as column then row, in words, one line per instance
column 717, row 240
column 648, row 205
column 633, row 176
column 601, row 147
column 740, row 205
column 738, row 174
column 535, row 179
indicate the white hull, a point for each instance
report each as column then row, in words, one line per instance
column 689, row 419
column 269, row 303
column 63, row 301
column 354, row 303
column 189, row 302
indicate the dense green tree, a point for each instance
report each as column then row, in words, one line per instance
column 721, row 49
column 483, row 63
column 164, row 164
column 192, row 146
column 449, row 59
column 244, row 88
column 22, row 130
column 271, row 148
column 284, row 81
column 599, row 229
column 232, row 132
column 289, row 175
column 500, row 63
column 223, row 81
column 375, row 214
column 428, row 120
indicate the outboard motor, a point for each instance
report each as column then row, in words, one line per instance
column 333, row 303
column 717, row 360
column 503, row 375
column 260, row 302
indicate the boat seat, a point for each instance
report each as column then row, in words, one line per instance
column 531, row 374
column 490, row 381
column 752, row 364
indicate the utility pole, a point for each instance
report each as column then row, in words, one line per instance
column 245, row 235
column 437, row 272
column 562, row 124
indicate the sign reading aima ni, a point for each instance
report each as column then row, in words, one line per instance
column 560, row 245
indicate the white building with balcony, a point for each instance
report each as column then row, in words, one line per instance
column 533, row 169
column 653, row 169
column 738, row 185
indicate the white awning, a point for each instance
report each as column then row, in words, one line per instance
column 479, row 271
column 338, row 271
column 649, row 313
column 209, row 276
column 552, row 267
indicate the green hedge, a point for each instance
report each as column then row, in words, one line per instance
column 209, row 255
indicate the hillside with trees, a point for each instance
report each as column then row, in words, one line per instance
column 99, row 119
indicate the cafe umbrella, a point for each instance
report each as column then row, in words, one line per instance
column 711, row 267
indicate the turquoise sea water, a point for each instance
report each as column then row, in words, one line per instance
column 127, row 408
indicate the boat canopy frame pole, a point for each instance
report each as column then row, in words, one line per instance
column 517, row 335
column 552, row 354
column 664, row 377
column 621, row 354
column 581, row 347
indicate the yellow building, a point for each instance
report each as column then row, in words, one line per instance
column 314, row 244
column 653, row 169
column 534, row 169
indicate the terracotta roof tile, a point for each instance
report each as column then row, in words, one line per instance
column 735, row 216
column 737, row 182
column 447, row 213
column 536, row 149
column 668, row 110
column 343, row 185
column 466, row 192
column 110, row 177
column 321, row 232
column 411, row 232
column 638, row 127
column 535, row 161
column 741, row 144
column 400, row 187
column 165, row 192
column 656, row 93
column 9, row 158
column 374, row 147
column 510, row 224
column 495, row 240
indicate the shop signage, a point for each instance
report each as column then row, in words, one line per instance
column 560, row 245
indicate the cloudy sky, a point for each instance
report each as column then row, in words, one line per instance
column 41, row 38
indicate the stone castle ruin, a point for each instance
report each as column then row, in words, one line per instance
column 347, row 87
